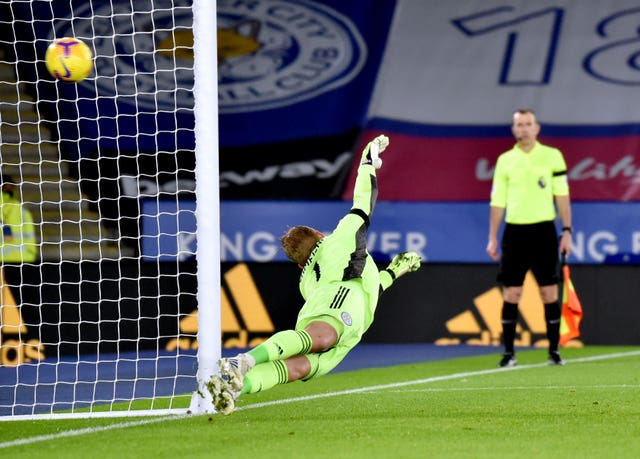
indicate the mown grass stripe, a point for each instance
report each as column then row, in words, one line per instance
column 432, row 379
column 124, row 425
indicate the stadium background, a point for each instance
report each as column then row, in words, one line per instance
column 441, row 79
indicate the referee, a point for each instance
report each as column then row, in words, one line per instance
column 527, row 180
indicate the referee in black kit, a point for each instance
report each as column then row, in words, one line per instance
column 526, row 182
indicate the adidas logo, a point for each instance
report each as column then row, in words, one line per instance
column 13, row 350
column 245, row 319
column 481, row 326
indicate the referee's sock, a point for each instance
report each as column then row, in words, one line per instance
column 509, row 322
column 552, row 317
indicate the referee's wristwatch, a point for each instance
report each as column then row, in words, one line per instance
column 567, row 228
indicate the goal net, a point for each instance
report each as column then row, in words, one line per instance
column 100, row 272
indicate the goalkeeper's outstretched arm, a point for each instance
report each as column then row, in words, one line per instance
column 403, row 263
column 365, row 191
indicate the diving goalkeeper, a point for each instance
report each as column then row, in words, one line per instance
column 340, row 284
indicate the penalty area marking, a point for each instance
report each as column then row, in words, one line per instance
column 124, row 425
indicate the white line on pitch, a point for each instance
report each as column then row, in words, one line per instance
column 515, row 388
column 432, row 379
column 88, row 430
column 124, row 425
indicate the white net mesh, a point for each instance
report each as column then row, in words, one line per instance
column 101, row 319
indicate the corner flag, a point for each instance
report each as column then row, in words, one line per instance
column 571, row 307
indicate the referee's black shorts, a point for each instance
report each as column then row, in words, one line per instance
column 529, row 247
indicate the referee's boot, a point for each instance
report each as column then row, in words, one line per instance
column 508, row 360
column 555, row 359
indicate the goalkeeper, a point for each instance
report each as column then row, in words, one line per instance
column 340, row 284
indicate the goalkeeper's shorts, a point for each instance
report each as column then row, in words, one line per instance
column 348, row 309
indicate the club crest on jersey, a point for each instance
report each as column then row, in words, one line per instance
column 346, row 318
column 541, row 183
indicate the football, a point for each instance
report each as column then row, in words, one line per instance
column 69, row 59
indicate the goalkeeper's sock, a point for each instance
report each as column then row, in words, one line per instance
column 281, row 346
column 265, row 376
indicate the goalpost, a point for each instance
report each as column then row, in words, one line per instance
column 119, row 173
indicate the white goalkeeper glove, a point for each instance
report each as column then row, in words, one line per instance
column 371, row 153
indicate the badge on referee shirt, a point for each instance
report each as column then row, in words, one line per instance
column 542, row 183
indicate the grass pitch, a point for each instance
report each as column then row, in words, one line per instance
column 459, row 408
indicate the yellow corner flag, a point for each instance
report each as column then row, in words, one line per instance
column 571, row 308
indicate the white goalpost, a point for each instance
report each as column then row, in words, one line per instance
column 208, row 199
column 108, row 306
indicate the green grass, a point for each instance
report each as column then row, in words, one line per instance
column 460, row 408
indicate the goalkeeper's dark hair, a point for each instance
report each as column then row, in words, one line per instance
column 298, row 242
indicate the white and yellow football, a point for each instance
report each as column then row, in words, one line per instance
column 69, row 59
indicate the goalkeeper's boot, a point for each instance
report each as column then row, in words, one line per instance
column 403, row 263
column 371, row 153
column 223, row 398
column 555, row 359
column 233, row 370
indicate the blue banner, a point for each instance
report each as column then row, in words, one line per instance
column 313, row 74
column 307, row 65
column 441, row 232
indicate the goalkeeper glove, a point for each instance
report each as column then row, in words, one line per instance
column 403, row 263
column 371, row 153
